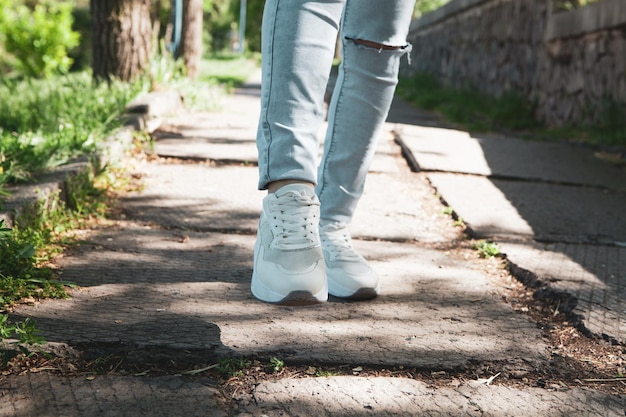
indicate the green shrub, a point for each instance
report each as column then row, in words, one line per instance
column 81, row 55
column 38, row 38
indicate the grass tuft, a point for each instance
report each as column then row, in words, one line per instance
column 509, row 113
column 487, row 249
column 45, row 123
column 468, row 107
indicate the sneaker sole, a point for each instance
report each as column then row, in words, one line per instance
column 358, row 295
column 299, row 298
column 294, row 298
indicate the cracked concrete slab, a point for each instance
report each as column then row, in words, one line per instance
column 501, row 208
column 147, row 287
column 361, row 396
column 225, row 198
column 225, row 135
column 202, row 137
column 198, row 197
column 592, row 275
column 519, row 193
column 169, row 278
column 447, row 150
column 46, row 395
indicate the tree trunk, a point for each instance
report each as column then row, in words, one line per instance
column 191, row 42
column 121, row 38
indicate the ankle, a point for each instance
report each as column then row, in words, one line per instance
column 274, row 186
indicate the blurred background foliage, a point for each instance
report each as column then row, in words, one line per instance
column 45, row 37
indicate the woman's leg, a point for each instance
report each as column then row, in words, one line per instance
column 298, row 46
column 373, row 40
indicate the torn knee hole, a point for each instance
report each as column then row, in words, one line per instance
column 376, row 45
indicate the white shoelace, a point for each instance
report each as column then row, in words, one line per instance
column 338, row 243
column 294, row 221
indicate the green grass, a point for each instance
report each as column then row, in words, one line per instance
column 45, row 123
column 229, row 70
column 487, row 249
column 609, row 130
column 468, row 107
column 41, row 232
column 232, row 367
column 509, row 113
column 20, row 274
column 218, row 75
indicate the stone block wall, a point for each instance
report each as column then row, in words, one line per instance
column 571, row 63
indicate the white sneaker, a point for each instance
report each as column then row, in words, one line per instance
column 349, row 275
column 288, row 260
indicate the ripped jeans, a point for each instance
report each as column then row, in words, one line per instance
column 298, row 46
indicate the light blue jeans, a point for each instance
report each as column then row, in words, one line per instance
column 298, row 46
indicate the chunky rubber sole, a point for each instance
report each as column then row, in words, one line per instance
column 294, row 298
column 358, row 295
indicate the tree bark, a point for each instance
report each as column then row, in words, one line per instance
column 191, row 42
column 121, row 38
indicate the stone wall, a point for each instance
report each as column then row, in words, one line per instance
column 571, row 63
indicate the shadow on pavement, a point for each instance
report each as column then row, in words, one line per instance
column 562, row 200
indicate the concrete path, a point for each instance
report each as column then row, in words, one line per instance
column 171, row 279
column 556, row 210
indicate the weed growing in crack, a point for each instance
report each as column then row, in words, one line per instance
column 20, row 274
column 487, row 249
column 276, row 365
column 232, row 367
column 321, row 373
column 18, row 339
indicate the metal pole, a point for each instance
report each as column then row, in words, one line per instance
column 177, row 24
column 242, row 25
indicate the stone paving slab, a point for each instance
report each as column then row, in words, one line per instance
column 437, row 149
column 225, row 198
column 401, row 207
column 531, row 209
column 198, row 197
column 360, row 396
column 594, row 275
column 202, row 136
column 216, row 147
column 199, row 136
column 227, row 135
column 46, row 395
column 542, row 211
column 144, row 287
column 166, row 281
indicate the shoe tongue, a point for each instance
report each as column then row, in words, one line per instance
column 300, row 189
column 333, row 226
